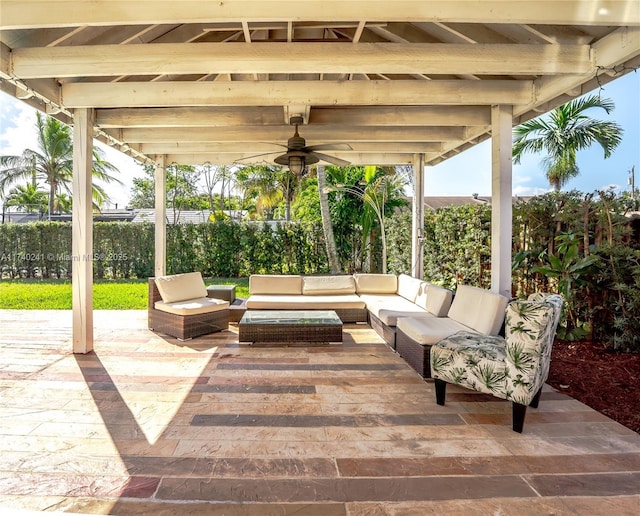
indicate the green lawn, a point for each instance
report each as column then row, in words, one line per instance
column 107, row 294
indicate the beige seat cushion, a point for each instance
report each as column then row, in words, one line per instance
column 275, row 284
column 288, row 302
column 429, row 330
column 408, row 287
column 479, row 309
column 328, row 285
column 388, row 307
column 179, row 287
column 376, row 283
column 201, row 305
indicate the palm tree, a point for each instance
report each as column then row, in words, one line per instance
column 53, row 162
column 566, row 131
column 271, row 185
column 28, row 198
column 327, row 226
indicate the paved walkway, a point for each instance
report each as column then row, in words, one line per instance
column 148, row 425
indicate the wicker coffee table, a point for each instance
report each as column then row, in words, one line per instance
column 290, row 326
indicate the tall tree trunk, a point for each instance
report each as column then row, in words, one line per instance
column 327, row 228
column 52, row 195
column 287, row 210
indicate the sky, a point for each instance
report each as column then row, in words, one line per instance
column 466, row 174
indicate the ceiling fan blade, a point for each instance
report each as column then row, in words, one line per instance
column 329, row 146
column 258, row 155
column 331, row 159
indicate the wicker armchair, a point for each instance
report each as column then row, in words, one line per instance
column 181, row 308
column 514, row 367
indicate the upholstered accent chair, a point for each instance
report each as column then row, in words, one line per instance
column 513, row 367
column 179, row 306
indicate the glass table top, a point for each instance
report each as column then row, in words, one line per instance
column 292, row 317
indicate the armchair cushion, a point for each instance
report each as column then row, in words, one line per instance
column 179, row 287
column 201, row 305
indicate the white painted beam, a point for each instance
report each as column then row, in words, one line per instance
column 417, row 222
column 313, row 134
column 160, row 188
column 24, row 14
column 271, row 58
column 404, row 116
column 259, row 147
column 189, row 116
column 242, row 158
column 501, row 199
column 82, row 232
column 242, row 115
column 271, row 93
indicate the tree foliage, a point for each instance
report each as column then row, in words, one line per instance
column 564, row 132
column 52, row 163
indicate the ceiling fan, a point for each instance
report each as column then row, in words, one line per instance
column 299, row 155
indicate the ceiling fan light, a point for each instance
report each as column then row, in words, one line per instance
column 296, row 164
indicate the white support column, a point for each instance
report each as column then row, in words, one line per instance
column 417, row 226
column 501, row 198
column 161, row 216
column 82, row 232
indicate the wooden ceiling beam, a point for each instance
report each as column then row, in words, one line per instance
column 240, row 158
column 314, row 93
column 260, row 147
column 266, row 58
column 280, row 135
column 272, row 116
column 25, row 14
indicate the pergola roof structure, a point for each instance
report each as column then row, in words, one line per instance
column 218, row 81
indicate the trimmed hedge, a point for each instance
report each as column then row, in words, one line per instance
column 125, row 250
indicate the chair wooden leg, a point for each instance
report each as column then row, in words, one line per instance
column 536, row 399
column 518, row 413
column 441, row 390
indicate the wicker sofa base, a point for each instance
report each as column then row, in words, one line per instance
column 351, row 315
column 183, row 327
column 388, row 333
column 415, row 354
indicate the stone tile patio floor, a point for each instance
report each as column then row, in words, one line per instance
column 148, row 425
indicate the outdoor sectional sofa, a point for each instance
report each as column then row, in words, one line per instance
column 409, row 314
column 379, row 299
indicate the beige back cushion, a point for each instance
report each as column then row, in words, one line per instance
column 479, row 309
column 328, row 285
column 376, row 283
column 180, row 287
column 275, row 284
column 434, row 299
column 408, row 287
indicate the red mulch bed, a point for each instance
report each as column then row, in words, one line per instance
column 606, row 381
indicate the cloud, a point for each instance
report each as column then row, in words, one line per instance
column 522, row 179
column 523, row 191
column 128, row 169
column 18, row 130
